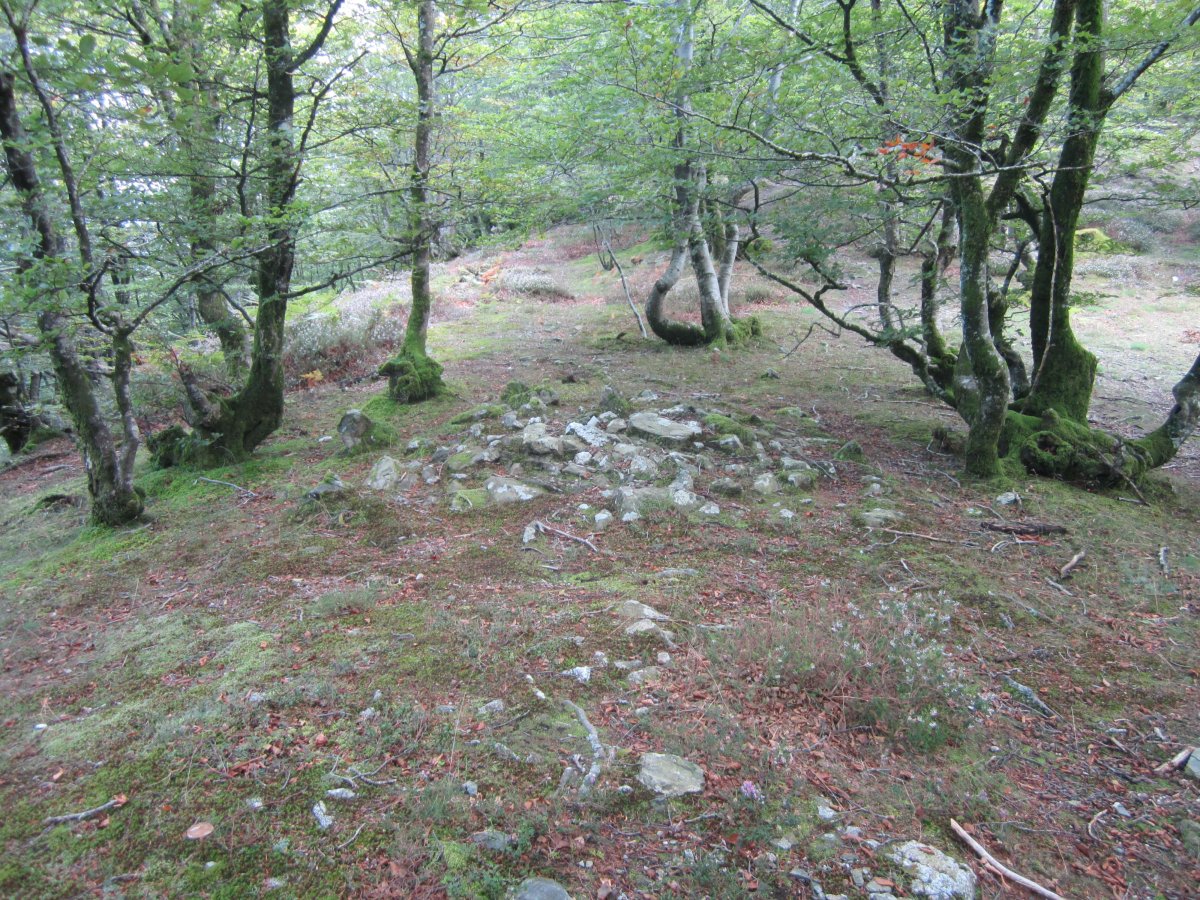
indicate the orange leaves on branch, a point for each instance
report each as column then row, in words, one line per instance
column 920, row 151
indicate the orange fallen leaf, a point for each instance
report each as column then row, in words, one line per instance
column 320, row 740
column 120, row 800
column 199, row 831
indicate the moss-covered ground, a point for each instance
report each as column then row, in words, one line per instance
column 242, row 652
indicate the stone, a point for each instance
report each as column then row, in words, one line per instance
column 710, row 509
column 331, row 488
column 726, row 487
column 647, row 627
column 582, row 674
column 511, row 421
column 851, row 451
column 879, row 517
column 800, row 480
column 324, row 820
column 669, row 775
column 589, row 433
column 1189, row 834
column 341, row 794
column 354, row 428
column 492, row 708
column 636, row 499
column 730, row 444
column 648, row 675
column 826, row 813
column 540, row 889
column 685, row 499
column 602, row 519
column 470, row 788
column 1193, row 765
column 643, row 468
column 933, row 873
column 659, row 428
column 635, row 609
column 503, row 490
column 766, row 484
column 490, row 839
column 384, row 475
column 537, row 440
column 1008, row 498
column 616, row 426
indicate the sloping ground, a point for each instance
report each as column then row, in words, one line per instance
column 851, row 660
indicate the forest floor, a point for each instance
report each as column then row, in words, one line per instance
column 851, row 663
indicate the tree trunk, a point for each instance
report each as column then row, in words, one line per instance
column 412, row 375
column 1064, row 372
column 115, row 501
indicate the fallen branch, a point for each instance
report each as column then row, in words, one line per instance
column 1075, row 560
column 589, row 780
column 1026, row 528
column 114, row 803
column 1058, row 587
column 1002, row 870
column 928, row 537
column 544, row 528
column 1178, row 761
column 236, row 487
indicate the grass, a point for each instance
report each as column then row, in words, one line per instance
column 242, row 653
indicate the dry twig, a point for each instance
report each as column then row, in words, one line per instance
column 114, row 803
column 999, row 867
column 589, row 780
column 543, row 527
column 1075, row 560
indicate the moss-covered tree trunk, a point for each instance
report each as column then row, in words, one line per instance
column 109, row 466
column 1064, row 372
column 412, row 375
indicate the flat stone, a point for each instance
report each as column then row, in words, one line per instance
column 766, row 484
column 635, row 609
column 648, row 675
column 933, row 873
column 879, row 517
column 492, row 708
column 490, row 839
column 726, row 487
column 647, row 627
column 540, row 889
column 660, row 428
column 508, row 490
column 710, row 509
column 669, row 775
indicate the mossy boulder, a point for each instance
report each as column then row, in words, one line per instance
column 725, row 425
column 412, row 377
column 1094, row 240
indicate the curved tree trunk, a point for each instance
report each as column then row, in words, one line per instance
column 680, row 334
column 109, row 468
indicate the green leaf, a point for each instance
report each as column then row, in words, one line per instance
column 87, row 45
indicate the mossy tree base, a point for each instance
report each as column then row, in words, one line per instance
column 412, row 376
column 1064, row 381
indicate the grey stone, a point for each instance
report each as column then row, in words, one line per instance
column 651, row 629
column 492, row 708
column 635, row 609
column 685, row 499
column 330, row 489
column 766, row 484
column 662, row 429
column 511, row 421
column 801, row 480
column 933, row 873
column 616, row 426
column 1189, row 834
column 341, row 794
column 508, row 490
column 470, row 788
column 636, row 499
column 384, row 475
column 648, row 675
column 1008, row 498
column 710, row 509
column 324, row 820
column 669, row 775
column 490, row 839
column 1193, row 765
column 540, row 889
column 590, row 434
column 353, row 428
column 582, row 674
column 879, row 517
column 537, row 440
column 731, row 444
column 851, row 451
column 826, row 813
column 643, row 468
column 726, row 487
column 602, row 519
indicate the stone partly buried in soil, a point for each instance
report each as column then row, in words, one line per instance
column 508, row 490
column 540, row 889
column 662, row 429
column 933, row 873
column 669, row 775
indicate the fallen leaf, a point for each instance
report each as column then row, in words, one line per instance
column 199, row 831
